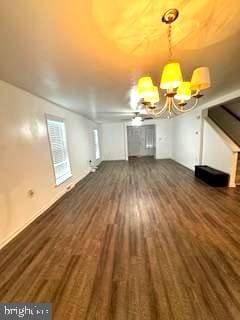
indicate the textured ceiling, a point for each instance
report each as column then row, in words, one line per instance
column 86, row 55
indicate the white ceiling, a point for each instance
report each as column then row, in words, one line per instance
column 86, row 55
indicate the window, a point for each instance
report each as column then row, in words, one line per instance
column 96, row 144
column 58, row 145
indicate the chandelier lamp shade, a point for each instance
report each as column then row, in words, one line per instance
column 145, row 86
column 180, row 95
column 200, row 79
column 171, row 76
column 184, row 91
column 152, row 96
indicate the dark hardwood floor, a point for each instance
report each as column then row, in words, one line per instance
column 137, row 240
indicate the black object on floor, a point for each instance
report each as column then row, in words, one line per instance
column 211, row 176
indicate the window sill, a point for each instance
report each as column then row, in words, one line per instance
column 63, row 179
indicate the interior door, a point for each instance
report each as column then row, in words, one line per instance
column 133, row 141
column 141, row 141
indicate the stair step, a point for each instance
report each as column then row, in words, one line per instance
column 238, row 171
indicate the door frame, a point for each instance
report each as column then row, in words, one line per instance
column 128, row 124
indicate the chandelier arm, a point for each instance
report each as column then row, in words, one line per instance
column 182, row 110
column 171, row 109
column 155, row 111
column 164, row 109
column 165, row 105
column 174, row 111
column 158, row 113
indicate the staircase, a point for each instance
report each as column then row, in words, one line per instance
column 227, row 118
column 238, row 171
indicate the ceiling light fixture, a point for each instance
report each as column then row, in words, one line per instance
column 178, row 93
column 137, row 121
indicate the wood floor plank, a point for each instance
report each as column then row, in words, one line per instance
column 137, row 240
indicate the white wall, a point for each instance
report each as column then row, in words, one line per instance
column 25, row 157
column 113, row 141
column 163, row 138
column 186, row 138
column 216, row 153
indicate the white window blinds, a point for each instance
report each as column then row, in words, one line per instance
column 58, row 145
column 96, row 144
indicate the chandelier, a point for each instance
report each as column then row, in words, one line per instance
column 180, row 96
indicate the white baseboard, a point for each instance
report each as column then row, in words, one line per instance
column 183, row 164
column 41, row 211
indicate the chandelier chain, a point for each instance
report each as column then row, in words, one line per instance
column 170, row 42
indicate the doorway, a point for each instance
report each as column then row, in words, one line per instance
column 141, row 141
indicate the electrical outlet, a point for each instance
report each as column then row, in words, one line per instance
column 70, row 186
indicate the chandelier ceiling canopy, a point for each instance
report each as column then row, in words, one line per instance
column 180, row 95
